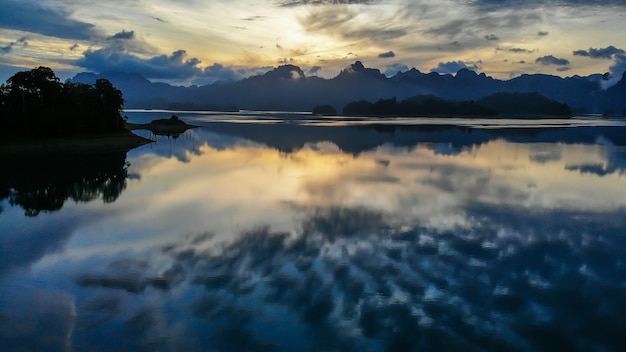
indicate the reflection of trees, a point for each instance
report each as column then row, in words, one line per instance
column 44, row 183
column 360, row 138
column 351, row 280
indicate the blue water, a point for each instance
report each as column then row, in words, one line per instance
column 299, row 235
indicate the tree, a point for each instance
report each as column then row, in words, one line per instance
column 35, row 103
column 29, row 95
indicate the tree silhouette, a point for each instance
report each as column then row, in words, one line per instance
column 421, row 105
column 39, row 183
column 525, row 103
column 36, row 104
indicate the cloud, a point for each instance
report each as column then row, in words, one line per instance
column 121, row 54
column 616, row 70
column 337, row 282
column 220, row 73
column 492, row 37
column 291, row 3
column 173, row 66
column 474, row 23
column 517, row 50
column 393, row 69
column 35, row 17
column 453, row 67
column 313, row 70
column 551, row 60
column 254, row 18
column 123, row 35
column 618, row 67
column 388, row 54
column 341, row 21
column 492, row 5
column 20, row 42
column 38, row 319
column 603, row 53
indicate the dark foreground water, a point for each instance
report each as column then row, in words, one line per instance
column 292, row 236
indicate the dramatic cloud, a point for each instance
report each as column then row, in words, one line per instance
column 322, row 30
column 388, row 54
column 474, row 24
column 339, row 283
column 604, row 53
column 174, row 66
column 551, row 60
column 123, row 52
column 342, row 22
column 618, row 67
column 35, row 17
column 492, row 37
column 452, row 67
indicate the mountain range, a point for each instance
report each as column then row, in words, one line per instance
column 287, row 88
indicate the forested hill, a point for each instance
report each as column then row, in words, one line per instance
column 288, row 88
column 499, row 104
column 36, row 104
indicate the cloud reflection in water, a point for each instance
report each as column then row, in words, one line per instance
column 237, row 246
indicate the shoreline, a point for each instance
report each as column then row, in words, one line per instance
column 81, row 144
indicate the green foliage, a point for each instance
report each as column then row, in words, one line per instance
column 36, row 104
column 421, row 105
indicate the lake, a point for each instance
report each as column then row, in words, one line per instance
column 287, row 232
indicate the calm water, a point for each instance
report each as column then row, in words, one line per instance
column 302, row 235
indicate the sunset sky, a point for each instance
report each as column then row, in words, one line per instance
column 200, row 42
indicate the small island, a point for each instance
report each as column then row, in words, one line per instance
column 167, row 127
column 39, row 113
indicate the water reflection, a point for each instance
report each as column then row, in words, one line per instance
column 43, row 183
column 400, row 239
column 352, row 280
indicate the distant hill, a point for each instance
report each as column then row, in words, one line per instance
column 288, row 88
column 421, row 105
column 524, row 104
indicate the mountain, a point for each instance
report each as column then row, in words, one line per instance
column 288, row 88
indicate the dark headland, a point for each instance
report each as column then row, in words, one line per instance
column 39, row 114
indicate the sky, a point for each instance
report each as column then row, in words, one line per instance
column 200, row 42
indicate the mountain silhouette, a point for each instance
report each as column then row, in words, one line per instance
column 288, row 88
